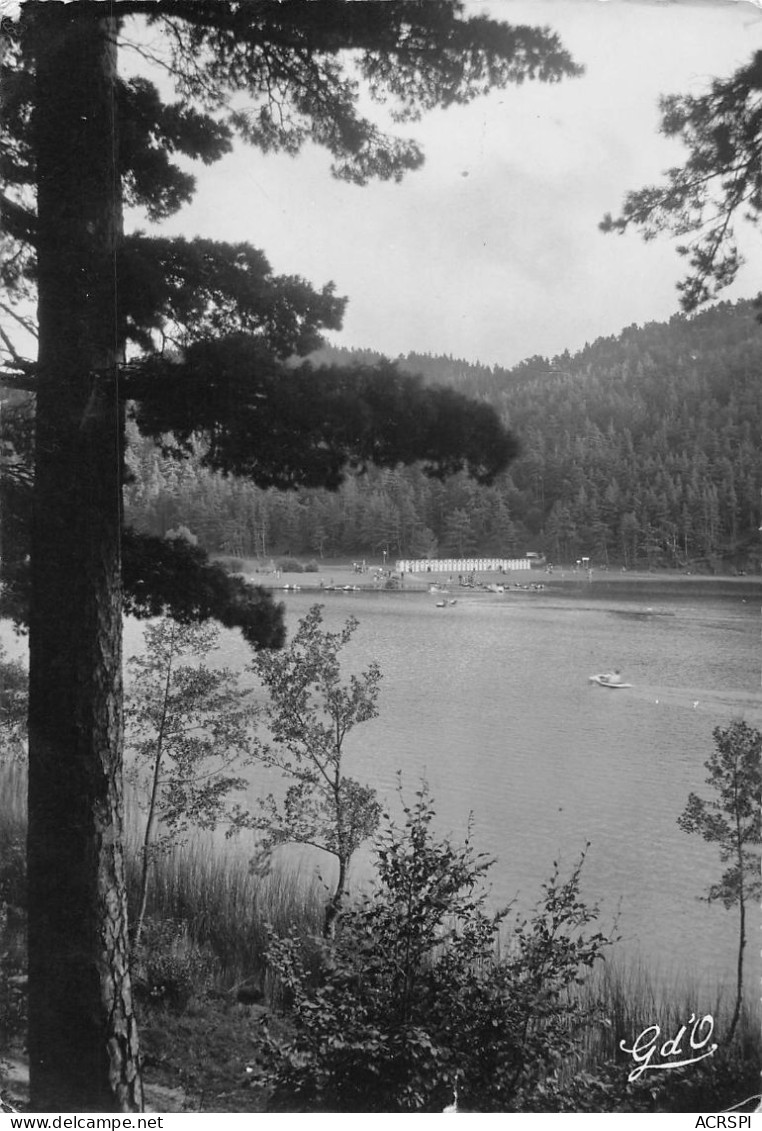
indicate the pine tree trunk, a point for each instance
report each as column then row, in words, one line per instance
column 82, row 1030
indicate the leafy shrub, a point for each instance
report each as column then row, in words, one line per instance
column 312, row 566
column 415, row 995
column 168, row 968
column 289, row 565
column 308, row 719
column 184, row 533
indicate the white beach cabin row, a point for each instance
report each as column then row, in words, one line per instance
column 461, row 565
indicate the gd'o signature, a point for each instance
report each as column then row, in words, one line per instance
column 650, row 1056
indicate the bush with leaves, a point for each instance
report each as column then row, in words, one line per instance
column 289, row 565
column 170, row 969
column 416, row 995
column 308, row 717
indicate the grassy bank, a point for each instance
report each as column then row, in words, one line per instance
column 203, row 987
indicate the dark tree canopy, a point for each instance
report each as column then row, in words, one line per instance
column 175, row 291
column 290, row 62
column 171, row 577
column 289, row 427
column 719, row 183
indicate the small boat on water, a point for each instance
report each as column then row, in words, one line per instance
column 609, row 679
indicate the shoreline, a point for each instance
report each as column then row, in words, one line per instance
column 339, row 577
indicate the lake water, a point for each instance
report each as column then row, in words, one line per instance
column 490, row 701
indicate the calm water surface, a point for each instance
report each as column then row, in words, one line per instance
column 489, row 700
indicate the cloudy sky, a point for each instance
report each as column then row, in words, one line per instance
column 491, row 252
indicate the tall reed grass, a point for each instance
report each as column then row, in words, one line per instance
column 625, row 999
column 225, row 908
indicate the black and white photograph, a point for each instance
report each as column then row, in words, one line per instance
column 380, row 560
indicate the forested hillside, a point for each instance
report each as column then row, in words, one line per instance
column 640, row 450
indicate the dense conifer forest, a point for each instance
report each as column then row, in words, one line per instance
column 641, row 450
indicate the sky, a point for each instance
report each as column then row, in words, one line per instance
column 491, row 252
